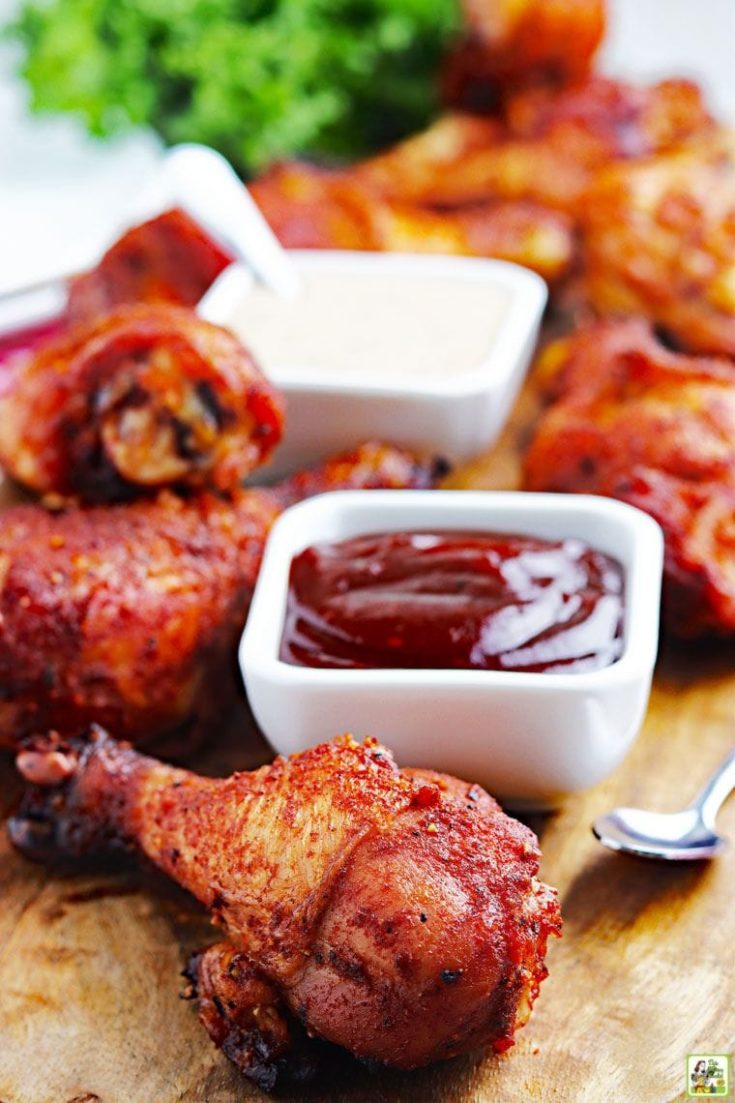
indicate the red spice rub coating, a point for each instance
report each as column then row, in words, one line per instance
column 124, row 614
column 655, row 428
column 129, row 614
column 168, row 259
column 397, row 915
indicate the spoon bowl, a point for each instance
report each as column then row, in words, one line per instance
column 672, row 836
column 688, row 835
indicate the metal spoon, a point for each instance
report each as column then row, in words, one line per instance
column 674, row 836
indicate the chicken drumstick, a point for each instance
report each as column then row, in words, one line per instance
column 392, row 913
column 145, row 396
column 636, row 421
column 508, row 42
column 129, row 614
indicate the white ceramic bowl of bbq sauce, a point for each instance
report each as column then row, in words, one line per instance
column 529, row 737
column 426, row 352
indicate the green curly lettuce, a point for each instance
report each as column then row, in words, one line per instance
column 257, row 79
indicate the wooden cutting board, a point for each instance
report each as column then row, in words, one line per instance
column 645, row 974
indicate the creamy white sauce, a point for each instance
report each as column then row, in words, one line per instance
column 373, row 326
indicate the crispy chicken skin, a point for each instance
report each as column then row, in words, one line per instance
column 521, row 41
column 635, row 421
column 659, row 240
column 408, row 171
column 129, row 614
column 309, row 207
column 312, row 208
column 507, row 187
column 167, row 259
column 626, row 400
column 547, row 145
column 630, row 120
column 698, row 522
column 398, row 916
column 143, row 397
column 553, row 171
column 524, row 233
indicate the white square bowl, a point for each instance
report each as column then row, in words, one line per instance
column 531, row 738
column 457, row 415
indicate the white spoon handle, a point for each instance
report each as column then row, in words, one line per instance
column 208, row 188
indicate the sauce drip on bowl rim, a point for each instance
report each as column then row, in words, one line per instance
column 454, row 600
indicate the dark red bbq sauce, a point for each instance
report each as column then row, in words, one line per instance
column 454, row 600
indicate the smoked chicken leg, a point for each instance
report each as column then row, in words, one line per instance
column 129, row 614
column 636, row 421
column 507, row 186
column 511, row 42
column 145, row 396
column 396, row 914
column 545, row 147
column 659, row 240
column 309, row 207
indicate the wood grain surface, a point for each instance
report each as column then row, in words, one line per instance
column 645, row 974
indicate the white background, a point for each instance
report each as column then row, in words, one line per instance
column 62, row 194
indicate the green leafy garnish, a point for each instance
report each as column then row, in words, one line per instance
column 257, row 79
